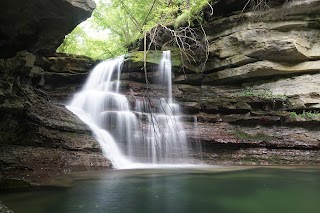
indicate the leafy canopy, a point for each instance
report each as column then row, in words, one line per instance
column 123, row 22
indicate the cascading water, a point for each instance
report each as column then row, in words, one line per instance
column 148, row 133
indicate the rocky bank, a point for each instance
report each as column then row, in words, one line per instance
column 39, row 137
column 4, row 209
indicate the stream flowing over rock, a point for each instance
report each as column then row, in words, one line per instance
column 257, row 99
column 255, row 102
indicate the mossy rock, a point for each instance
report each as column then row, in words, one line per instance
column 258, row 136
column 154, row 57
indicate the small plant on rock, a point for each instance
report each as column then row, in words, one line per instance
column 305, row 114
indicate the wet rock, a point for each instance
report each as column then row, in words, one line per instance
column 36, row 132
column 4, row 209
column 62, row 75
column 222, row 143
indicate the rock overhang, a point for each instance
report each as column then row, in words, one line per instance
column 39, row 25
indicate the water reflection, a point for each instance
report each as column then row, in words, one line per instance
column 167, row 191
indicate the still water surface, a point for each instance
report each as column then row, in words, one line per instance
column 258, row 190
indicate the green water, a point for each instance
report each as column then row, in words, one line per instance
column 259, row 190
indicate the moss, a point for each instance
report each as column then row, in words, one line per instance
column 182, row 20
column 266, row 94
column 154, row 57
column 305, row 114
column 193, row 14
column 259, row 136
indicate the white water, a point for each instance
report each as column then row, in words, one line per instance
column 145, row 135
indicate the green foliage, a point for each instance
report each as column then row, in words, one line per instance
column 183, row 19
column 78, row 42
column 265, row 93
column 305, row 114
column 293, row 114
column 191, row 13
column 126, row 21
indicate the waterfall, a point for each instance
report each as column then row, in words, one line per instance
column 132, row 135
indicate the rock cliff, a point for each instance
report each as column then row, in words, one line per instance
column 257, row 99
column 261, row 84
column 256, row 102
column 39, row 137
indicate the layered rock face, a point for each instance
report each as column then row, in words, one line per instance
column 39, row 137
column 257, row 99
column 260, row 91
